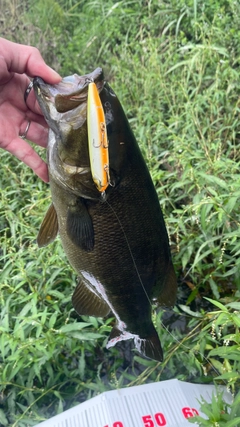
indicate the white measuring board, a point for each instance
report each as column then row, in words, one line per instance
column 167, row 403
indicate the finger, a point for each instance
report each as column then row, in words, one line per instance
column 24, row 152
column 35, row 132
column 26, row 103
column 35, row 117
column 33, row 104
column 26, row 59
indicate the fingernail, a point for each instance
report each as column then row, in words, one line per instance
column 55, row 74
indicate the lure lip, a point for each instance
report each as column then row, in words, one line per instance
column 97, row 139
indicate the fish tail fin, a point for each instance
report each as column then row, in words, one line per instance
column 149, row 347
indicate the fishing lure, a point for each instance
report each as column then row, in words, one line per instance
column 97, row 139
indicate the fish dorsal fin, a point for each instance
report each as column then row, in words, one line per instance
column 79, row 226
column 49, row 228
column 167, row 297
column 87, row 303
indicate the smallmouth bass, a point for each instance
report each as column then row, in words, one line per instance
column 115, row 239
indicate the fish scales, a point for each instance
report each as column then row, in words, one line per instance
column 117, row 242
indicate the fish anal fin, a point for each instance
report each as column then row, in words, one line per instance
column 88, row 303
column 167, row 296
column 79, row 226
column 49, row 228
column 149, row 347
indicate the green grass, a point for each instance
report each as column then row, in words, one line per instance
column 175, row 67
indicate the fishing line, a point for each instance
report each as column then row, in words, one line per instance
column 189, row 349
column 133, row 260
column 140, row 280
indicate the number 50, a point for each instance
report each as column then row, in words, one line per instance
column 159, row 418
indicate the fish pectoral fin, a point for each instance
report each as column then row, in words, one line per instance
column 88, row 303
column 149, row 347
column 167, row 297
column 49, row 228
column 79, row 226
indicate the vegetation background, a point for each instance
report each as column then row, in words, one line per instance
column 174, row 64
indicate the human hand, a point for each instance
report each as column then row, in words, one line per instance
column 17, row 62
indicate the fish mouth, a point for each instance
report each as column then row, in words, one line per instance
column 69, row 93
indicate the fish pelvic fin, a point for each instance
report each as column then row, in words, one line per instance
column 149, row 347
column 49, row 228
column 87, row 302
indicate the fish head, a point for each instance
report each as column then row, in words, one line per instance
column 64, row 107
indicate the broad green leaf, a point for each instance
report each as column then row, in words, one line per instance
column 3, row 419
column 226, row 352
column 85, row 336
column 234, row 305
column 233, row 423
column 217, row 304
column 212, row 179
column 230, row 376
column 71, row 327
column 52, row 320
column 187, row 310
